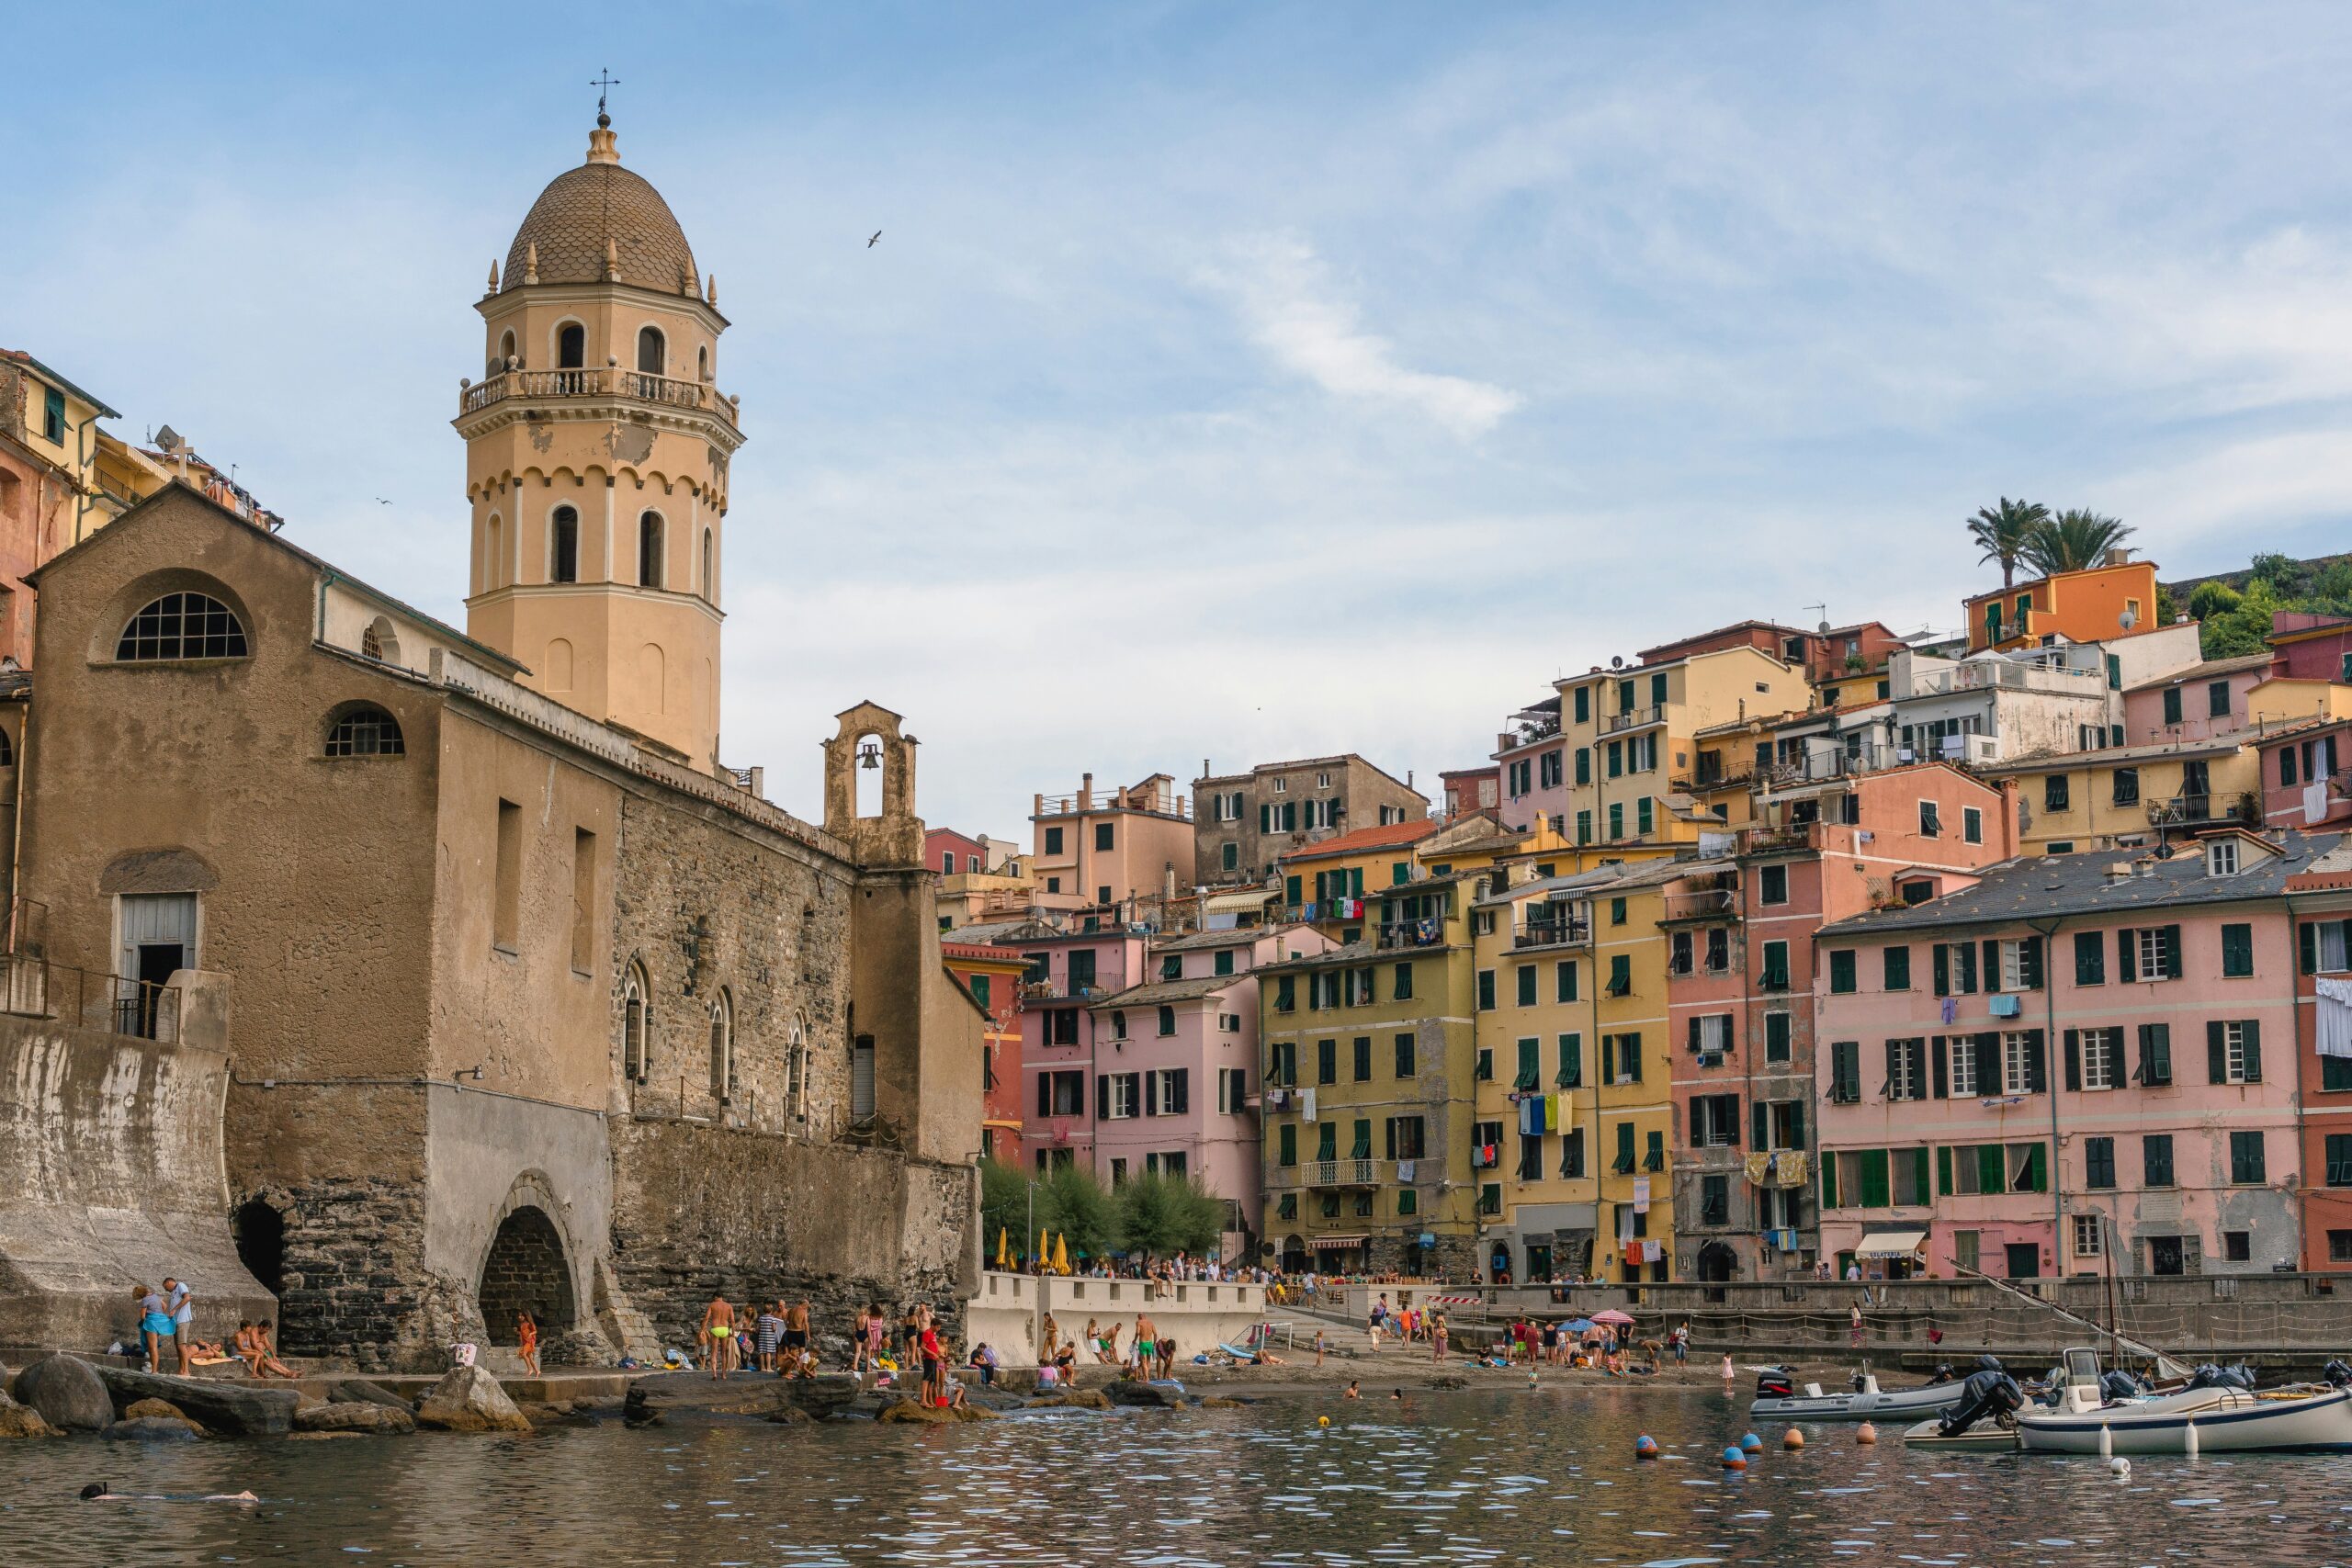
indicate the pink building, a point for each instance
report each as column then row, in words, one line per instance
column 1532, row 762
column 2309, row 647
column 1176, row 1068
column 1124, row 851
column 1740, row 959
column 1063, row 1041
column 2302, row 784
column 2196, row 703
column 2075, row 1056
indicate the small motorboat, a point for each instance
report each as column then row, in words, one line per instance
column 2216, row 1417
column 1779, row 1398
column 1984, row 1416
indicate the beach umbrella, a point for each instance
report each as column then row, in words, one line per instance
column 1613, row 1317
column 1061, row 1255
column 1580, row 1326
column 1003, row 1247
column 1043, row 1250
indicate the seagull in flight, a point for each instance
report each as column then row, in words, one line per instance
column 382, row 501
column 877, row 237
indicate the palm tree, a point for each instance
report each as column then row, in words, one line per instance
column 2074, row 539
column 2002, row 532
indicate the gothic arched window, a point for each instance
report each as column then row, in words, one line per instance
column 570, row 347
column 648, row 551
column 563, row 563
column 636, row 1023
column 722, row 1048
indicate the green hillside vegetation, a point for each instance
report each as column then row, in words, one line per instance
column 2235, row 617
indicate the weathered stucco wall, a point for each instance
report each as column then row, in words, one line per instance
column 111, row 1149
column 489, row 1154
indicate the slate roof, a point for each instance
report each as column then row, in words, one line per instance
column 1156, row 992
column 2042, row 887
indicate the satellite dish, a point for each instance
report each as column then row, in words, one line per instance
column 2128, row 620
column 168, row 439
column 1822, row 629
column 1616, row 662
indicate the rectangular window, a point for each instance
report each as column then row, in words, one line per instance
column 2155, row 1160
column 1362, row 1058
column 1846, row 1072
column 1286, row 1144
column 1709, row 1033
column 1772, row 884
column 1054, row 841
column 1526, row 983
column 2217, row 699
column 1972, row 825
column 1930, row 824
column 1405, row 1064
column 1571, row 1074
column 1563, row 981
column 2020, row 1061
column 1714, row 1121
column 1897, row 962
column 1484, row 1071
column 2237, row 951
column 2087, row 1235
column 2057, row 793
column 1485, row 991
column 1620, row 974
column 2246, row 1168
column 506, row 912
column 1531, row 1156
column 2233, row 1050
column 1582, row 696
column 1906, row 1069
column 583, row 906
column 1172, row 966
column 2098, row 1162
column 1584, row 765
column 2340, row 1160
column 2172, row 704
column 1407, row 1138
column 2090, row 958
column 1841, row 972
column 1617, row 911
column 1584, row 823
column 1642, row 821
column 1624, row 1162
column 1960, row 1066
column 1102, row 835
column 1776, row 966
column 1402, row 988
column 2102, row 1057
column 1222, row 964
column 1777, row 1033
column 1529, row 1069
column 1116, row 1096
column 1327, row 1061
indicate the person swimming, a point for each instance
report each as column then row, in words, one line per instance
column 103, row 1492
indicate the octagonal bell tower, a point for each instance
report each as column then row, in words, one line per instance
column 597, row 446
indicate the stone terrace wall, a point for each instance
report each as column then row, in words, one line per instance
column 110, row 1175
column 701, row 1209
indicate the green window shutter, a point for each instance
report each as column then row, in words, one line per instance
column 1607, row 1058
column 1841, row 972
column 1642, row 820
column 1565, row 981
column 1584, row 765
column 1761, row 1124
column 1625, row 1145
column 1528, row 1068
column 1942, row 956
column 1291, row 890
column 2307, row 935
column 2090, row 958
column 1288, row 1142
column 1796, row 1123
column 1616, row 819
column 1967, row 950
column 2037, row 1168
column 2127, row 954
column 1992, row 1174
column 1943, row 1170
column 1526, row 985
column 1571, row 1061
column 1919, row 1172
column 2172, row 953
column 1355, row 882
column 2031, row 962
column 1828, row 1181
column 2115, row 678
column 2237, row 949
column 2217, row 1053
column 2253, row 1032
column 1874, row 1187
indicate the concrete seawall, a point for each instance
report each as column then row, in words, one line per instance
column 1005, row 1313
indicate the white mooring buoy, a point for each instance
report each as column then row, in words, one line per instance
column 2193, row 1439
column 2106, row 1441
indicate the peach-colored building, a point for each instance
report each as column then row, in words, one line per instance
column 1124, row 851
column 2072, row 1057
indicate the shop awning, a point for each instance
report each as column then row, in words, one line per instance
column 1235, row 903
column 1891, row 1244
column 1321, row 1242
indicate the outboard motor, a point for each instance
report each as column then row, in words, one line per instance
column 1776, row 1382
column 2336, row 1374
column 1943, row 1374
column 1991, row 1393
column 2208, row 1375
column 1989, row 1363
column 1859, row 1381
column 2119, row 1384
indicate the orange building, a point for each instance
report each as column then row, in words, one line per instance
column 2094, row 604
column 992, row 977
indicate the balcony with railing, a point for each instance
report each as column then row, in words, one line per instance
column 1826, row 764
column 1344, row 1172
column 1785, row 837
column 2009, row 675
column 32, row 986
column 1633, row 718
column 597, row 382
column 1060, row 991
column 1701, row 904
column 1393, row 934
column 2199, row 809
column 1565, row 930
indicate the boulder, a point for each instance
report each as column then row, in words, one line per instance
column 467, row 1399
column 359, row 1391
column 320, row 1437
column 354, row 1415
column 23, row 1421
column 917, row 1412
column 1214, row 1402
column 789, row 1415
column 1150, row 1396
column 1075, row 1399
column 233, row 1410
column 138, row 1408
column 68, row 1393
column 153, row 1429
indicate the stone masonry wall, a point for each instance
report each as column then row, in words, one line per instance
column 699, row 1210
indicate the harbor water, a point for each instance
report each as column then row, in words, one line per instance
column 1476, row 1478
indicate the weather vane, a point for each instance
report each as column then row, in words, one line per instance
column 603, row 81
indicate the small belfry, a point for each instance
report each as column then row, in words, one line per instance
column 597, row 447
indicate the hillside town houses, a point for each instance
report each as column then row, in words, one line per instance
column 1768, row 952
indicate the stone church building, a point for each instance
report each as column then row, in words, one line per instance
column 534, row 1003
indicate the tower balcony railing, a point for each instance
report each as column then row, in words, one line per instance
column 598, row 381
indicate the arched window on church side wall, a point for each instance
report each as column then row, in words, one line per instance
column 653, row 355
column 648, row 551
column 722, row 1048
column 702, row 362
column 635, row 1025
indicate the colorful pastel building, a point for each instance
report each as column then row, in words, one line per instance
column 2320, row 893
column 1531, row 761
column 2200, row 702
column 2310, row 647
column 2089, row 605
column 1124, row 852
column 2067, row 1059
column 992, row 977
column 1063, row 1040
column 2132, row 796
column 1368, row 1103
column 1243, row 822
column 1470, row 789
column 1176, row 1088
column 1741, row 935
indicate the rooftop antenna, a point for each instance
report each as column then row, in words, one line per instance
column 1825, row 616
column 603, row 81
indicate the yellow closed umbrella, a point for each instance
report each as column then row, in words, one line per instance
column 1042, row 1249
column 1061, row 1256
column 1004, row 1242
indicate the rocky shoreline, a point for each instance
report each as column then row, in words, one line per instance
column 64, row 1395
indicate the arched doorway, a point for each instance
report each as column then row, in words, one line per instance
column 1717, row 1264
column 260, row 1233
column 526, row 1270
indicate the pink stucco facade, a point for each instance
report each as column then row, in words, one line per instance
column 2117, row 1076
column 2194, row 704
column 1062, row 1039
column 1176, row 1079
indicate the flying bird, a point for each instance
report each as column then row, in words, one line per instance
column 382, row 501
column 870, row 243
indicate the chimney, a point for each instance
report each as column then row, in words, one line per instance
column 1085, row 791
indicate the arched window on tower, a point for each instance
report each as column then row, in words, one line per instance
column 506, row 351
column 652, row 353
column 570, row 347
column 563, row 563
column 709, row 582
column 648, row 551
column 702, row 363
column 494, row 553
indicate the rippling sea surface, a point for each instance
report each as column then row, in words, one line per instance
column 1471, row 1478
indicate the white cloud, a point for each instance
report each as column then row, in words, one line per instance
column 1283, row 292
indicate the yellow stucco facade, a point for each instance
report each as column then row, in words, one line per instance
column 2127, row 795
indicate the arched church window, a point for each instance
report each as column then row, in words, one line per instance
column 365, row 730
column 182, row 625
column 652, row 353
column 636, row 1021
column 648, row 551
column 564, row 563
column 570, row 347
column 722, row 1048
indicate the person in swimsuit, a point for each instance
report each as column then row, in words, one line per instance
column 1046, row 1352
column 796, row 1333
column 934, row 1365
column 858, row 1330
column 177, row 1303
column 911, row 1338
column 718, row 1328
column 1146, row 1344
column 154, row 1324
column 527, row 1342
column 878, row 1328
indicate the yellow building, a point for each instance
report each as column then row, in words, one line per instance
column 597, row 450
column 1630, row 753
column 1335, row 886
column 1575, row 1080
column 1367, row 1106
column 2125, row 796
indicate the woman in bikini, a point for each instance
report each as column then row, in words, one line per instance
column 527, row 1342
column 857, row 1331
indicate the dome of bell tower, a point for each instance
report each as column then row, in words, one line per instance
column 599, row 209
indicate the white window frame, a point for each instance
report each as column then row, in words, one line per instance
column 2090, row 1233
column 2102, row 1054
column 2233, row 1050
column 1961, row 1066
column 1322, row 781
column 1903, row 1082
column 2221, row 858
column 2012, row 975
column 1126, row 1096
column 1282, row 786
column 1715, row 1032
column 2012, row 1061
column 2150, row 942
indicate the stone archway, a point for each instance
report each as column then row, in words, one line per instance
column 526, row 1268
column 1717, row 1264
column 259, row 1230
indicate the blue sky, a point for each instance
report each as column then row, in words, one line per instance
column 1246, row 381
